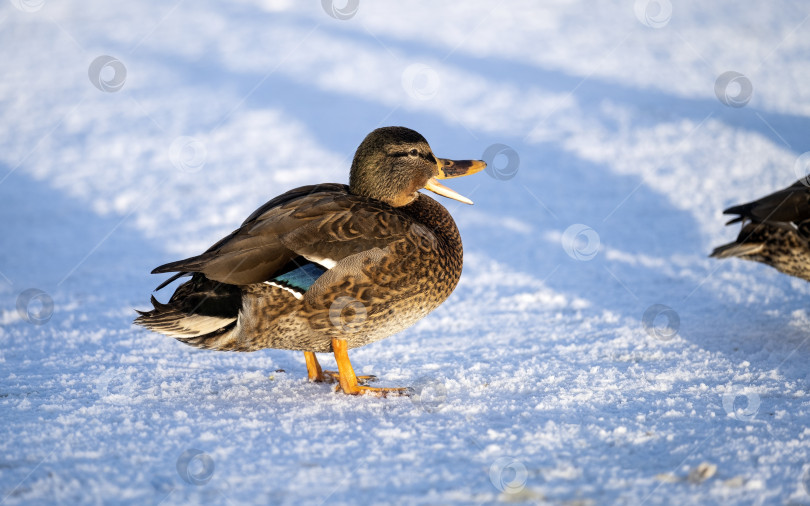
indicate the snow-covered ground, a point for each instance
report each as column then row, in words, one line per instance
column 134, row 133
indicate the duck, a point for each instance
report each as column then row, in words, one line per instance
column 775, row 231
column 329, row 267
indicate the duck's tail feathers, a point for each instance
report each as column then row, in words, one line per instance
column 171, row 280
column 735, row 249
column 201, row 313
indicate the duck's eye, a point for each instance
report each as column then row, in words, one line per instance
column 414, row 152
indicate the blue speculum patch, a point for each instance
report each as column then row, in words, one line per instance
column 302, row 277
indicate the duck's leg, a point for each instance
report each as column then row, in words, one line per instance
column 313, row 367
column 348, row 380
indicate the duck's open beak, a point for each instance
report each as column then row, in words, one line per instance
column 453, row 168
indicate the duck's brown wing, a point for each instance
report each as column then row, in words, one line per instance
column 770, row 224
column 323, row 224
column 790, row 206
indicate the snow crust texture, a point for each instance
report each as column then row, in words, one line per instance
column 591, row 354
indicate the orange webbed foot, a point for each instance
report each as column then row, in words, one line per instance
column 348, row 382
column 376, row 391
column 334, row 377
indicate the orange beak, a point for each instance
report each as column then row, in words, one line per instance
column 453, row 168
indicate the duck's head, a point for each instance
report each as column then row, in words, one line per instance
column 393, row 163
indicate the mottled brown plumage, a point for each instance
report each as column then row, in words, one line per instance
column 775, row 231
column 327, row 267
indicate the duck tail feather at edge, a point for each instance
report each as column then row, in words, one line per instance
column 207, row 323
column 735, row 249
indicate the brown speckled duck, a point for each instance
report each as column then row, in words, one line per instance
column 329, row 267
column 775, row 231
